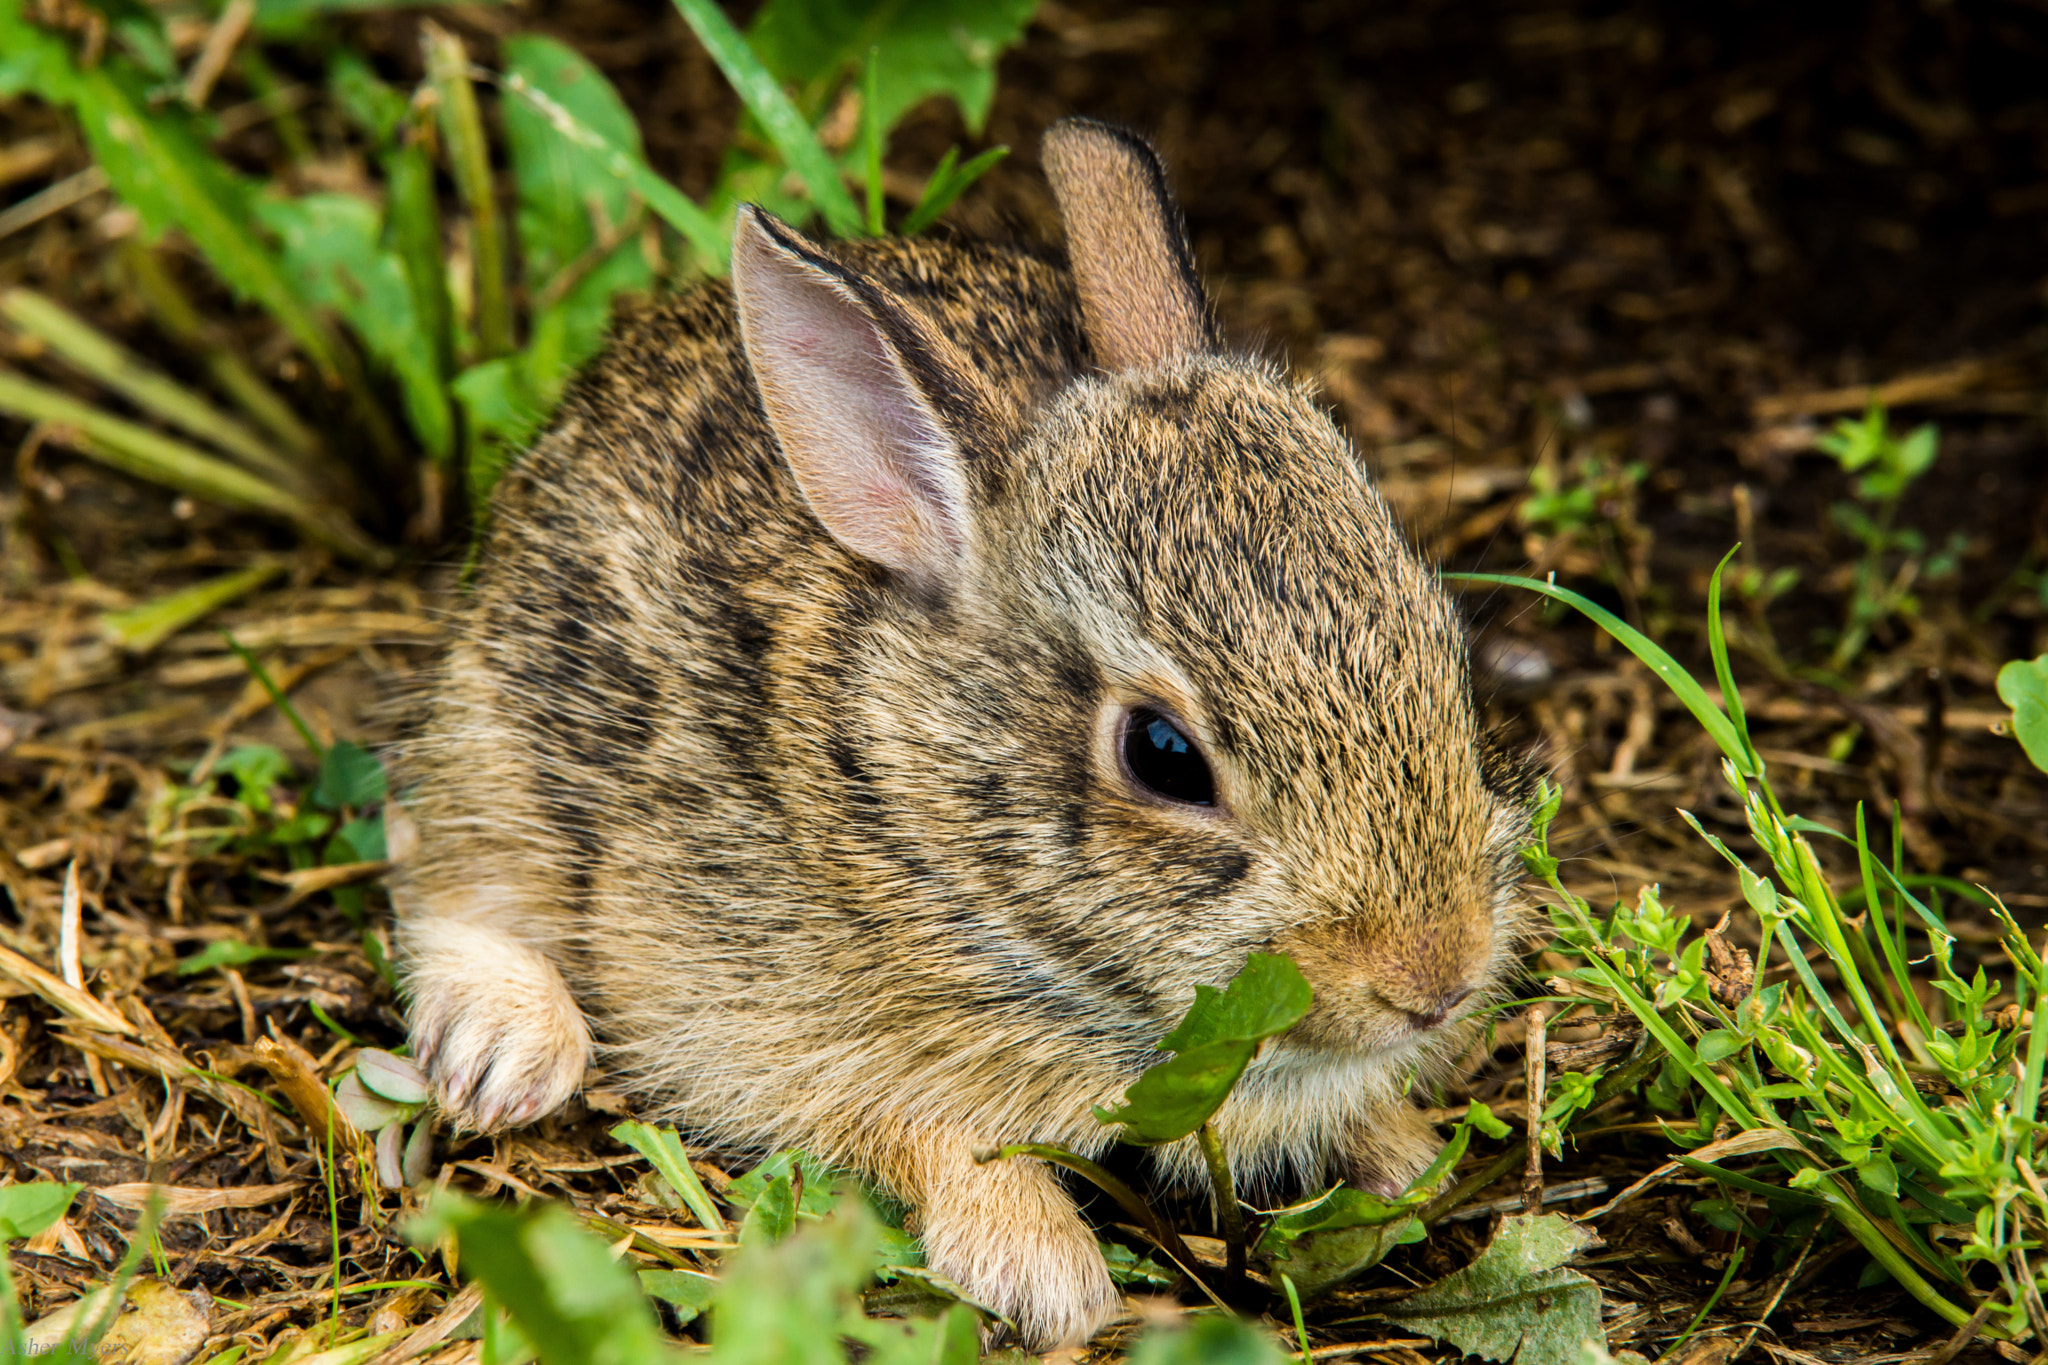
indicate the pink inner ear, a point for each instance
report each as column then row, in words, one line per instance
column 874, row 463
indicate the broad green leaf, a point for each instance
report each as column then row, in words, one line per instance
column 361, row 840
column 350, row 775
column 26, row 1210
column 772, row 1216
column 686, row 1293
column 562, row 189
column 557, row 1280
column 1212, row 1045
column 1328, row 1240
column 334, row 248
column 1267, row 997
column 922, row 48
column 790, row 1301
column 256, row 768
column 1515, row 1302
column 820, row 1182
column 2023, row 685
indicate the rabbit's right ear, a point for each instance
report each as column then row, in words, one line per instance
column 1141, row 302
column 874, row 411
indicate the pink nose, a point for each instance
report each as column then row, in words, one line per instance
column 1438, row 1010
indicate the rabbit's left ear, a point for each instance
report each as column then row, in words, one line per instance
column 1141, row 302
column 873, row 409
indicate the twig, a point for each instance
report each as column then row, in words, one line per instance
column 55, row 199
column 220, row 46
column 1532, row 1173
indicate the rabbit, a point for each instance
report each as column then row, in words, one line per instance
column 897, row 679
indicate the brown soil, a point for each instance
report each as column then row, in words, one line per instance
column 1505, row 238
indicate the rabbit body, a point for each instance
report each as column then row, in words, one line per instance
column 785, row 738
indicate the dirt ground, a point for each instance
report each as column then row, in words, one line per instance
column 1512, row 243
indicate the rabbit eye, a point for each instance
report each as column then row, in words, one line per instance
column 1160, row 757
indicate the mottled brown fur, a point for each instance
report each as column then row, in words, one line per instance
column 841, row 856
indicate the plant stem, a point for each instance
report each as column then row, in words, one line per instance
column 1228, row 1213
column 469, row 160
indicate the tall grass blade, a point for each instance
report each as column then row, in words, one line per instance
column 1711, row 717
column 173, row 312
column 778, row 116
column 1717, row 645
column 871, row 138
column 149, row 388
column 150, row 455
column 469, row 161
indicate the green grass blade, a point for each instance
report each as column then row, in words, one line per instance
column 1717, row 645
column 173, row 312
column 1712, row 718
column 160, row 166
column 149, row 388
column 141, row 629
column 150, row 455
column 778, row 116
column 871, row 138
column 2027, row 1103
column 947, row 185
column 469, row 160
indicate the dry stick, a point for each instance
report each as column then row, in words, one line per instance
column 1777, row 1298
column 220, row 46
column 1623, row 1080
column 1532, row 1173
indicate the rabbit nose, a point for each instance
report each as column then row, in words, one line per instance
column 1438, row 1010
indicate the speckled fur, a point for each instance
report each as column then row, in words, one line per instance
column 836, row 860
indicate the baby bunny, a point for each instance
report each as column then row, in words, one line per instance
column 896, row 681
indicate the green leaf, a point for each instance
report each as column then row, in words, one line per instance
column 561, row 187
column 773, row 1215
column 361, row 840
column 2023, row 685
column 791, row 1301
column 350, row 775
column 1515, row 1302
column 922, row 48
column 765, row 100
column 686, row 1293
column 1213, row 1043
column 1720, row 1045
column 398, row 1079
column 1207, row 1340
column 334, row 249
column 1328, row 1240
column 946, row 185
column 664, row 1150
column 27, row 1209
column 557, row 1280
column 820, row 1180
column 233, row 952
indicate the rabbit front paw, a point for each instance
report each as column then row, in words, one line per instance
column 1010, row 1236
column 493, row 1024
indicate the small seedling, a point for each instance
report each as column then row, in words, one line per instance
column 1894, row 557
column 2023, row 685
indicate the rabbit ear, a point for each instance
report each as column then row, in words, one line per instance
column 1140, row 299
column 854, row 387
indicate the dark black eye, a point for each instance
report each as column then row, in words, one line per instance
column 1162, row 759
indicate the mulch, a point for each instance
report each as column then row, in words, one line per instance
column 1511, row 243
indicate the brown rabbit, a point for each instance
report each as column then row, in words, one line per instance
column 896, row 681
